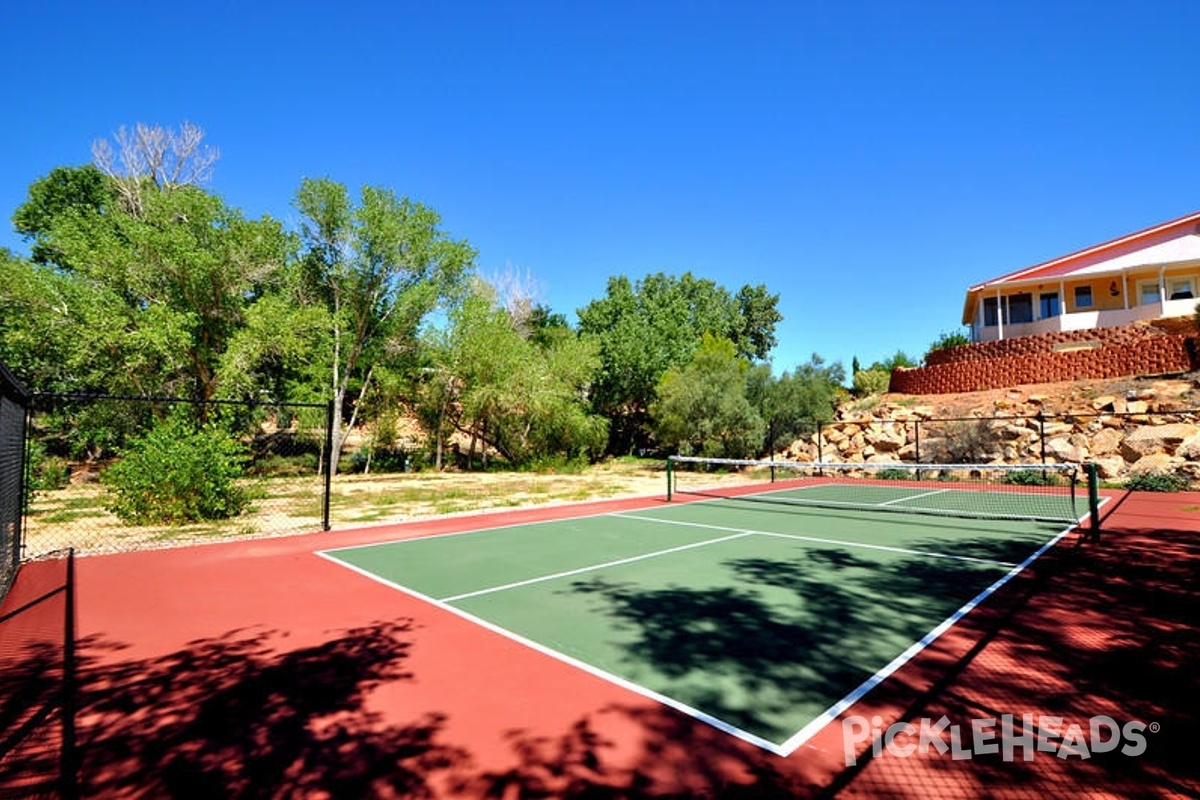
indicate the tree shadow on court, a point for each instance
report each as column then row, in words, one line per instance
column 31, row 695
column 783, row 648
column 33, row 688
column 680, row 759
column 238, row 717
column 1092, row 628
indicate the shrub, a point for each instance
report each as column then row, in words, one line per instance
column 178, row 473
column 894, row 474
column 1157, row 482
column 46, row 472
column 947, row 340
column 967, row 442
column 379, row 460
column 1029, row 477
column 871, row 381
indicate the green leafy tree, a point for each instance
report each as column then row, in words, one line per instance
column 644, row 329
column 792, row 404
column 176, row 280
column 702, row 407
column 376, row 269
column 522, row 395
column 64, row 192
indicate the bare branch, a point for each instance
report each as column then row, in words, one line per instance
column 517, row 294
column 152, row 153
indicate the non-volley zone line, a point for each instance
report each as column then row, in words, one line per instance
column 823, row 540
column 593, row 567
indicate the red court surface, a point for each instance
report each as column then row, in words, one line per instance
column 260, row 669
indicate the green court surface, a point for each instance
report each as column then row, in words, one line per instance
column 764, row 620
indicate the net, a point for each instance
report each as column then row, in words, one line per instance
column 1041, row 492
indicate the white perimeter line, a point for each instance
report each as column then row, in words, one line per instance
column 594, row 567
column 649, row 694
column 818, row 539
column 832, row 713
column 782, row 750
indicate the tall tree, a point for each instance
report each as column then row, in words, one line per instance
column 377, row 269
column 180, row 275
column 792, row 403
column 702, row 408
column 522, row 394
column 146, row 302
column 644, row 329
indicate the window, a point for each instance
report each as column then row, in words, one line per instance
column 989, row 312
column 1083, row 297
column 1020, row 308
column 1180, row 289
column 1048, row 304
column 1149, row 292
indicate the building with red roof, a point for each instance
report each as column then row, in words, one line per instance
column 1151, row 274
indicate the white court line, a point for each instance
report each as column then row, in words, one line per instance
column 800, row 737
column 835, row 710
column 820, row 540
column 637, row 689
column 594, row 567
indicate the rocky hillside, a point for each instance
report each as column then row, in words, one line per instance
column 1126, row 427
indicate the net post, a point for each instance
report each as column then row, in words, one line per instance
column 670, row 476
column 1093, row 483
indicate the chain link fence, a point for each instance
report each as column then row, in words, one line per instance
column 116, row 473
column 13, row 405
column 1122, row 444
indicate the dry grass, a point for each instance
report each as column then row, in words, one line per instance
column 76, row 517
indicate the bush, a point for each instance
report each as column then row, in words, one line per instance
column 947, row 340
column 1157, row 482
column 1029, row 477
column 871, row 381
column 895, row 474
column 178, row 473
column 967, row 442
column 46, row 472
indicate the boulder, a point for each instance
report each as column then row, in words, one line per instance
column 1105, row 441
column 1151, row 439
column 1156, row 462
column 1064, row 450
column 1110, row 467
column 1189, row 448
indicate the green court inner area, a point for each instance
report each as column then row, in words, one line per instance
column 762, row 619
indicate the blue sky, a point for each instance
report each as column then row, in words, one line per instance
column 866, row 161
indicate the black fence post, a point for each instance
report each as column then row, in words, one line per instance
column 70, row 752
column 328, row 465
column 1041, row 418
